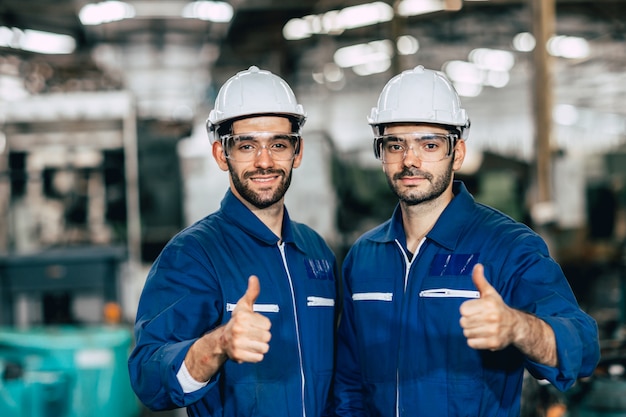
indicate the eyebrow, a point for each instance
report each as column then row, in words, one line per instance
column 284, row 136
column 394, row 137
column 419, row 135
column 245, row 136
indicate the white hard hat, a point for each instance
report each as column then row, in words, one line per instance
column 253, row 92
column 420, row 96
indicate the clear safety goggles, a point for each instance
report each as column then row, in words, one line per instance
column 248, row 146
column 428, row 147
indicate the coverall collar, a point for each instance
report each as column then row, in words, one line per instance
column 447, row 229
column 237, row 213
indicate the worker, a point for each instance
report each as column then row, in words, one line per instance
column 237, row 315
column 448, row 301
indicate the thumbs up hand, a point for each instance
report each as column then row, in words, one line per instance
column 247, row 334
column 487, row 322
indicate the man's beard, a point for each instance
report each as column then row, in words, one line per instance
column 259, row 200
column 412, row 197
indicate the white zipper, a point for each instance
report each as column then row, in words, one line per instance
column 407, row 268
column 407, row 263
column 448, row 292
column 281, row 247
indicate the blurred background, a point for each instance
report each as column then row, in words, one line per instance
column 104, row 157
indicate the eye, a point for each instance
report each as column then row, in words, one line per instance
column 393, row 145
column 246, row 147
column 279, row 145
column 432, row 144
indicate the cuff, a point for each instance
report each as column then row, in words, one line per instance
column 187, row 383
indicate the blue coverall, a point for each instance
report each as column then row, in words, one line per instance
column 192, row 288
column 401, row 349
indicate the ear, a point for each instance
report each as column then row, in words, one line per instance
column 298, row 159
column 219, row 155
column 459, row 154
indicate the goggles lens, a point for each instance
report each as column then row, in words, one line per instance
column 248, row 146
column 428, row 147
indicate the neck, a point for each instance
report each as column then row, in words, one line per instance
column 271, row 216
column 419, row 219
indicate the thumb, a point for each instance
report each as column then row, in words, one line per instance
column 252, row 293
column 481, row 283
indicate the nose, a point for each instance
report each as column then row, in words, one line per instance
column 411, row 158
column 264, row 159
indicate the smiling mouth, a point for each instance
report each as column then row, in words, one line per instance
column 263, row 176
column 264, row 179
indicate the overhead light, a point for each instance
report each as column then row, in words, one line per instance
column 492, row 59
column 417, row 7
column 105, row 12
column 497, row 79
column 571, row 47
column 467, row 89
column 296, row 29
column 464, row 72
column 337, row 21
column 565, row 114
column 112, row 11
column 364, row 15
column 374, row 67
column 331, row 76
column 11, row 88
column 213, row 11
column 467, row 78
column 366, row 58
column 333, row 73
column 568, row 47
column 373, row 57
column 363, row 53
column 407, row 45
column 524, row 42
column 486, row 68
column 37, row 41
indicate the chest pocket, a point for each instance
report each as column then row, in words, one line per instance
column 453, row 264
column 447, row 286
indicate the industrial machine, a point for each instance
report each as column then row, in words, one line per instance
column 69, row 231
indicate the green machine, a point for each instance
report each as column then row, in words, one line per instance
column 57, row 371
column 54, row 363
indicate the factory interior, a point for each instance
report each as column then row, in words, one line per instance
column 104, row 157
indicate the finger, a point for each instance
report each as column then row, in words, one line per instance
column 481, row 283
column 252, row 293
column 253, row 354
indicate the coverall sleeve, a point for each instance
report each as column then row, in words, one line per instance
column 543, row 290
column 179, row 303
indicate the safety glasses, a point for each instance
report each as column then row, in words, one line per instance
column 428, row 147
column 248, row 146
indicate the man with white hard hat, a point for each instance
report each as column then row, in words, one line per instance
column 237, row 315
column 447, row 302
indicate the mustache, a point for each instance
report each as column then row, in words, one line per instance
column 412, row 172
column 248, row 175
